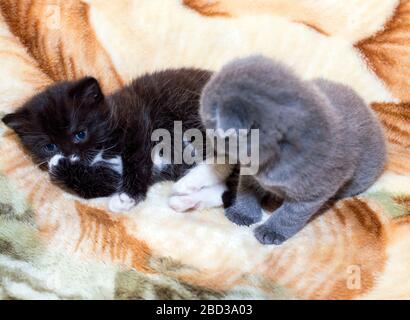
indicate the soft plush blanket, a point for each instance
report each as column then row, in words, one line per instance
column 56, row 246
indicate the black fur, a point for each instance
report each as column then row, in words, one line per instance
column 86, row 181
column 121, row 124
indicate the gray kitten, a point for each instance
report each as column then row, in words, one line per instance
column 318, row 141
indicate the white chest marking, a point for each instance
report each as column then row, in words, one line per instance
column 114, row 163
column 74, row 158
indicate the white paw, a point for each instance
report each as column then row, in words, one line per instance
column 185, row 186
column 121, row 202
column 199, row 177
column 183, row 203
column 54, row 161
column 205, row 198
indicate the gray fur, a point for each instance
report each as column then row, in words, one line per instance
column 318, row 141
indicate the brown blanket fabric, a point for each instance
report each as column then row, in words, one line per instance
column 56, row 246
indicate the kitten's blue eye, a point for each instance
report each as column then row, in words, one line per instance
column 51, row 147
column 80, row 136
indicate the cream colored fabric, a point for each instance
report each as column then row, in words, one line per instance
column 65, row 247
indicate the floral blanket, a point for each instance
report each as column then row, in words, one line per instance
column 56, row 246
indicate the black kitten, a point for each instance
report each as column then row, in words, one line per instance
column 97, row 146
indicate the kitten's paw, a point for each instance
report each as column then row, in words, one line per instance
column 182, row 203
column 198, row 178
column 266, row 235
column 210, row 197
column 185, row 186
column 121, row 202
column 53, row 162
column 240, row 218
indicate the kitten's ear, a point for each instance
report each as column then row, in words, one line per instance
column 88, row 88
column 14, row 121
